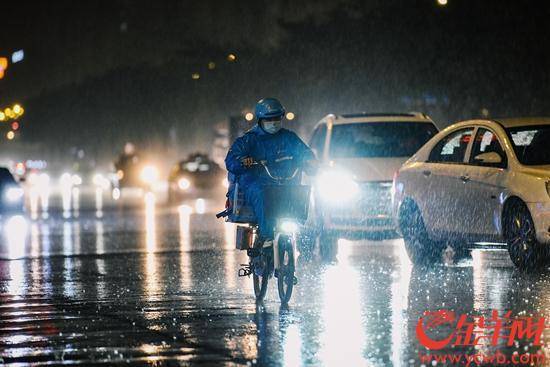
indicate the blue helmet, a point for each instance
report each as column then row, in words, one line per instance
column 268, row 108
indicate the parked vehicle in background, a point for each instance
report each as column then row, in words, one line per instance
column 479, row 181
column 197, row 177
column 134, row 175
column 12, row 199
column 359, row 154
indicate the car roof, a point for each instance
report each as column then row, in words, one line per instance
column 504, row 122
column 363, row 117
column 523, row 121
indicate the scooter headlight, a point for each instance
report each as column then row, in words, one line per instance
column 288, row 226
column 337, row 186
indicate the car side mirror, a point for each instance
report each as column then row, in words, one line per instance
column 488, row 158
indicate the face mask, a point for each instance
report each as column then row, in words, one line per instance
column 272, row 126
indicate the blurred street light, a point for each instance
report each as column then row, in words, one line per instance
column 211, row 65
column 290, row 116
column 249, row 116
column 442, row 2
column 231, row 58
column 17, row 56
column 10, row 135
column 11, row 113
column 3, row 66
column 195, row 76
column 15, row 125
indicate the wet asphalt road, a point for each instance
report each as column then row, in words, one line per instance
column 159, row 286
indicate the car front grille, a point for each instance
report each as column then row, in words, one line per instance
column 372, row 207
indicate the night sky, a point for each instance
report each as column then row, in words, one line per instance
column 99, row 73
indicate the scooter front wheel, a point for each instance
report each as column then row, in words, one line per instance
column 285, row 275
column 261, row 281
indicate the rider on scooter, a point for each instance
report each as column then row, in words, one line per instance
column 267, row 141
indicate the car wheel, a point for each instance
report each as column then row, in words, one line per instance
column 328, row 246
column 420, row 248
column 521, row 237
column 309, row 235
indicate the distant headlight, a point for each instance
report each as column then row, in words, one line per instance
column 14, row 194
column 149, row 174
column 101, row 181
column 337, row 186
column 66, row 180
column 76, row 180
column 184, row 184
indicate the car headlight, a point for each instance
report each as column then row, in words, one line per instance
column 14, row 194
column 76, row 180
column 149, row 174
column 337, row 186
column 184, row 184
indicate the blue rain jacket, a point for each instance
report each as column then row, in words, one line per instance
column 262, row 146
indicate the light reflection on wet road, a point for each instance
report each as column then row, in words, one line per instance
column 160, row 287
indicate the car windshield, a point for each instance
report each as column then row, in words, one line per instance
column 198, row 165
column 531, row 144
column 378, row 140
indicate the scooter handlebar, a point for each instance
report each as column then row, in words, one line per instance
column 264, row 164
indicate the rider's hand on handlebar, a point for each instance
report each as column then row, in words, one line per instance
column 247, row 162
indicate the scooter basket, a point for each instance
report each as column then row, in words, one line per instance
column 287, row 201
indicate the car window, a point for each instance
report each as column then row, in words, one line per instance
column 379, row 139
column 531, row 144
column 318, row 139
column 452, row 148
column 486, row 141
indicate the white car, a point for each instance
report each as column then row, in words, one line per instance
column 359, row 155
column 479, row 181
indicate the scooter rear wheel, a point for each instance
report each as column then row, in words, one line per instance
column 285, row 275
